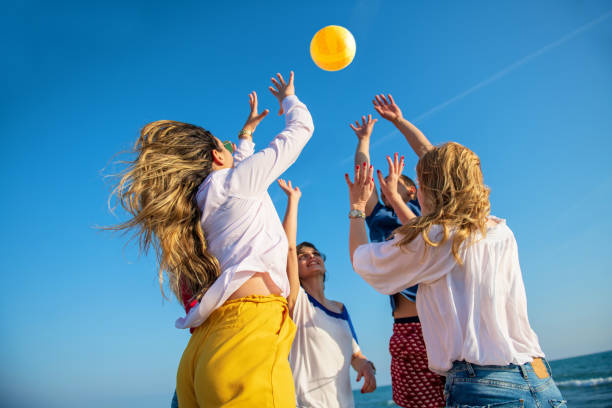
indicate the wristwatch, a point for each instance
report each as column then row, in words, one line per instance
column 356, row 214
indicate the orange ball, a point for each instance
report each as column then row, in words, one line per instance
column 333, row 48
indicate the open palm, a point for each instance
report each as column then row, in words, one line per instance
column 387, row 108
column 365, row 129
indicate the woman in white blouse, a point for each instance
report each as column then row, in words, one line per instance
column 220, row 241
column 471, row 299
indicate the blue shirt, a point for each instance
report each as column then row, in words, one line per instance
column 382, row 221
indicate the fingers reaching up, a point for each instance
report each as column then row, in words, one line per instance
column 254, row 118
column 282, row 89
column 364, row 129
column 387, row 107
column 361, row 189
column 388, row 185
column 292, row 192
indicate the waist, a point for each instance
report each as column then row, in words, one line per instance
column 538, row 366
column 402, row 306
column 411, row 319
column 260, row 284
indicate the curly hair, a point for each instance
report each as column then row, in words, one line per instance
column 451, row 182
column 158, row 189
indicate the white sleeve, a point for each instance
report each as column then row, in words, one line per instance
column 390, row 269
column 299, row 309
column 254, row 174
column 356, row 348
column 245, row 148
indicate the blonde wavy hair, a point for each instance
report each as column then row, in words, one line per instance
column 451, row 183
column 158, row 189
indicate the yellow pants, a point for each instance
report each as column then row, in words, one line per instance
column 239, row 357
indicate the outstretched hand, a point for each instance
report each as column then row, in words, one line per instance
column 292, row 192
column 361, row 189
column 388, row 186
column 281, row 89
column 365, row 129
column 387, row 108
column 254, row 118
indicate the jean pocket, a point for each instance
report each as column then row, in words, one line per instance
column 558, row 403
column 509, row 404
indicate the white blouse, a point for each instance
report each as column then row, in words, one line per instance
column 321, row 355
column 240, row 223
column 476, row 312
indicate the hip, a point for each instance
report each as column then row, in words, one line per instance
column 529, row 385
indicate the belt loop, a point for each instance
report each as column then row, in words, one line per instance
column 470, row 369
column 523, row 371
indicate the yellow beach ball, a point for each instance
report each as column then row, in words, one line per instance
column 333, row 48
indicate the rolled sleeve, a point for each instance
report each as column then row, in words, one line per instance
column 390, row 269
column 245, row 149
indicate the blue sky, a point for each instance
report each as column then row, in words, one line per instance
column 527, row 86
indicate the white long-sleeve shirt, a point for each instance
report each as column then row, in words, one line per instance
column 240, row 223
column 476, row 312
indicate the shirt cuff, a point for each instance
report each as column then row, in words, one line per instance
column 288, row 102
column 246, row 145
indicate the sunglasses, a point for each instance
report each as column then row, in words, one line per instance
column 229, row 146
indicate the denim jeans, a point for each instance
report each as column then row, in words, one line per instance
column 473, row 386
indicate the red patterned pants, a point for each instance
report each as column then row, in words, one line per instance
column 414, row 385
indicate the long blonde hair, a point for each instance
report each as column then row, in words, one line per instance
column 158, row 189
column 451, row 182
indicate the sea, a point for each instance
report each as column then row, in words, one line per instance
column 584, row 381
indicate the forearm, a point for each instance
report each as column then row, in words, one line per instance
column 290, row 227
column 357, row 235
column 358, row 360
column 403, row 212
column 294, row 278
column 417, row 140
column 290, row 221
column 362, row 154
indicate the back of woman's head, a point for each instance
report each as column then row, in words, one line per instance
column 158, row 189
column 451, row 183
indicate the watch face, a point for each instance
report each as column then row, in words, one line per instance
column 356, row 214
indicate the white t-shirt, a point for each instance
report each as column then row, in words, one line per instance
column 321, row 355
column 239, row 220
column 476, row 312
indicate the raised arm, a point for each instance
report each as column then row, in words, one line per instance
column 363, row 132
column 290, row 226
column 255, row 174
column 389, row 188
column 246, row 146
column 359, row 192
column 390, row 111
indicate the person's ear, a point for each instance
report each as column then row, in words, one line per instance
column 217, row 157
column 412, row 189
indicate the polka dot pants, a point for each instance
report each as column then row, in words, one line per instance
column 414, row 385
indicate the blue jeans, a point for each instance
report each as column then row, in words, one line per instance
column 473, row 386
